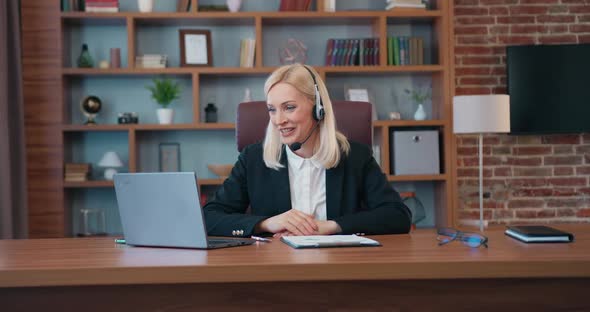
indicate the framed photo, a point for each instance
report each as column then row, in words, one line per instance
column 360, row 94
column 195, row 47
column 169, row 157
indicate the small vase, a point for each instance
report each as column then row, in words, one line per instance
column 420, row 114
column 85, row 60
column 234, row 5
column 145, row 6
column 165, row 115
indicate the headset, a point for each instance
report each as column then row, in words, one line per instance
column 318, row 108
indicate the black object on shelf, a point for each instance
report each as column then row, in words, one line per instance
column 210, row 113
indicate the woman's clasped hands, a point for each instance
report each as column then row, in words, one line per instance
column 295, row 222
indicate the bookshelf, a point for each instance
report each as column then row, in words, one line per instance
column 59, row 136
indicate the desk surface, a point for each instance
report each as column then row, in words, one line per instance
column 99, row 261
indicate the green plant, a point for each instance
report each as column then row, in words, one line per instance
column 164, row 91
column 420, row 94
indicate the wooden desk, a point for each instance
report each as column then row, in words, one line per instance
column 410, row 272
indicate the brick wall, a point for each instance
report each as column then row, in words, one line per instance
column 526, row 178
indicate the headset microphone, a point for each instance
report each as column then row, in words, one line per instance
column 297, row 145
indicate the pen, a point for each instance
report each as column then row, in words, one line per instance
column 120, row 240
column 262, row 239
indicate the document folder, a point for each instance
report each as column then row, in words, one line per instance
column 320, row 241
column 538, row 234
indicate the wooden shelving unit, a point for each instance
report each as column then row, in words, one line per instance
column 63, row 74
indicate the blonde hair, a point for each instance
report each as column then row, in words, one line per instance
column 331, row 142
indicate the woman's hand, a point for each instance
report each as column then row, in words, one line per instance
column 292, row 221
column 324, row 228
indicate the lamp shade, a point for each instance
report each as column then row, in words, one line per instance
column 110, row 159
column 481, row 113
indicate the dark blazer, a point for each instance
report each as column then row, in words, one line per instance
column 358, row 196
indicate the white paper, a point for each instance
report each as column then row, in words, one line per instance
column 196, row 49
column 329, row 240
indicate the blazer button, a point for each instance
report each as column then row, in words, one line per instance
column 233, row 232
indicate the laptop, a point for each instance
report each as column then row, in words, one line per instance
column 162, row 209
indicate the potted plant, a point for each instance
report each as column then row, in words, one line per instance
column 419, row 96
column 164, row 91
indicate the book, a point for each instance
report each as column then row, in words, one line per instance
column 538, row 234
column 320, row 241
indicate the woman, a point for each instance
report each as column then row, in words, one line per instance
column 306, row 178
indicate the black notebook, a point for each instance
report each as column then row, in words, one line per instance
column 538, row 234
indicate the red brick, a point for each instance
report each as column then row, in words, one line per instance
column 459, row 11
column 516, row 40
column 580, row 9
column 583, row 213
column 473, row 50
column 538, row 1
column 555, row 19
column 529, row 139
column 563, row 171
column 561, row 139
column 474, row 20
column 487, row 204
column 466, row 2
column 525, row 161
column 567, row 181
column 503, row 172
column 487, row 161
column 528, row 29
column 526, row 203
column 583, row 149
column 546, row 213
column 583, row 38
column 534, row 192
column 558, row 29
column 565, row 202
column 527, row 182
column 474, row 215
column 515, row 19
column 487, row 182
column 480, row 60
column 562, row 150
column 584, row 190
column 473, row 172
column 499, row 30
column 468, row 141
column 464, row 71
column 565, row 192
column 479, row 81
column 587, row 159
column 531, row 172
column 583, row 170
column 503, row 214
column 562, row 160
column 526, row 214
column 466, row 151
column 583, row 18
column 532, row 150
column 473, row 90
column 499, row 90
column 496, row 11
column 549, row 39
column 501, row 150
column 557, row 9
column 476, row 39
column 508, row 139
column 471, row 30
column 527, row 10
column 566, row 212
column 579, row 28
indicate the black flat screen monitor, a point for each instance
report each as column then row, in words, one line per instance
column 549, row 88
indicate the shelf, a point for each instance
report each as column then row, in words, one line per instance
column 149, row 127
column 419, row 177
column 409, row 123
column 89, row 184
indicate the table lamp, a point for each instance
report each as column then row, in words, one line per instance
column 479, row 114
column 110, row 160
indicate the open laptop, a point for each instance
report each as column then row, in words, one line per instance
column 163, row 210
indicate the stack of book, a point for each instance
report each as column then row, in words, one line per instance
column 151, row 61
column 103, row 6
column 405, row 50
column 72, row 5
column 77, row 172
column 295, row 5
column 352, row 52
column 404, row 4
column 247, row 48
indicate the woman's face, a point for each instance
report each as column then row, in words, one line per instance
column 290, row 112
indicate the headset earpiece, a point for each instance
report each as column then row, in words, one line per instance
column 318, row 108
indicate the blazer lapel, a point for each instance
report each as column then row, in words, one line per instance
column 281, row 178
column 334, row 182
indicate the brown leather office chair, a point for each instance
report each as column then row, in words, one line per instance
column 353, row 119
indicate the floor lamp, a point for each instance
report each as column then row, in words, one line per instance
column 479, row 114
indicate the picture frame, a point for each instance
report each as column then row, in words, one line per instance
column 169, row 157
column 360, row 94
column 195, row 48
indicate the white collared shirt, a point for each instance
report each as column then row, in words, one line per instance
column 307, row 182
